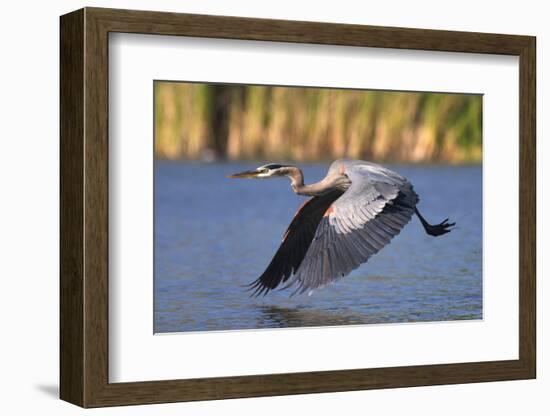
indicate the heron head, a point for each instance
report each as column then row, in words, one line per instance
column 271, row 170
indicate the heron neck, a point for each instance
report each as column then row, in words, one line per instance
column 297, row 183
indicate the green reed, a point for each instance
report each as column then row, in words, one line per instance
column 194, row 121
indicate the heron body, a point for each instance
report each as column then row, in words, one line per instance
column 352, row 214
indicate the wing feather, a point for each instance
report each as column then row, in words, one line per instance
column 295, row 243
column 374, row 209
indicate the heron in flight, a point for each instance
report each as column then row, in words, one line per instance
column 352, row 214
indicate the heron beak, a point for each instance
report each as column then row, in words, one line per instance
column 250, row 174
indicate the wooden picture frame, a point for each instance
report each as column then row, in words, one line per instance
column 84, row 207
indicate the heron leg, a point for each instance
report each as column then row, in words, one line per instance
column 435, row 230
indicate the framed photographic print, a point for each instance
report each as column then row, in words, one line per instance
column 255, row 207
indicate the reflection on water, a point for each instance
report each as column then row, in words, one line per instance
column 214, row 235
column 278, row 317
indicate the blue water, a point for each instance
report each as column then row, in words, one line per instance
column 214, row 235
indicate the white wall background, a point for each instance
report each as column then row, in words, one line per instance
column 29, row 159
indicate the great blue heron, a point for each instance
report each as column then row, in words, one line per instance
column 354, row 211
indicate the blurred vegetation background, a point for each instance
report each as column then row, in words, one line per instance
column 239, row 122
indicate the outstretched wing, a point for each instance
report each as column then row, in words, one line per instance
column 374, row 209
column 295, row 244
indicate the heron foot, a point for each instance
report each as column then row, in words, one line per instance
column 439, row 229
